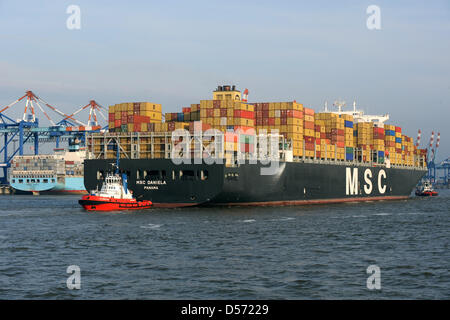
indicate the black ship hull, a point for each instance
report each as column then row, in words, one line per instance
column 294, row 183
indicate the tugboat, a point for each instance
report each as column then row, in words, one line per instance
column 114, row 195
column 426, row 190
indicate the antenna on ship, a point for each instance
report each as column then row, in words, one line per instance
column 326, row 106
column 354, row 106
column 339, row 104
column 245, row 95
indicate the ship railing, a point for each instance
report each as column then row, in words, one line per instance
column 158, row 145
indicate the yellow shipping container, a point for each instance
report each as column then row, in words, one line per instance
column 308, row 118
column 309, row 133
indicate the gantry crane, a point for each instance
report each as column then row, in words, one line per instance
column 27, row 129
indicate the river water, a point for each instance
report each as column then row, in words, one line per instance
column 303, row 252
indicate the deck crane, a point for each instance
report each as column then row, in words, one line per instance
column 27, row 129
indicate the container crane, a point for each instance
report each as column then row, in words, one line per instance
column 27, row 129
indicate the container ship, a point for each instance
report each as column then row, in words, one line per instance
column 227, row 151
column 58, row 173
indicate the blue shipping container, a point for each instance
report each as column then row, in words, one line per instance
column 348, row 124
column 180, row 116
column 380, row 154
column 349, row 156
column 398, row 140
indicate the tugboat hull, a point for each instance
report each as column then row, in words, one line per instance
column 93, row 203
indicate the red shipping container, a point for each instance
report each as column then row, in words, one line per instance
column 283, row 121
column 265, row 121
column 340, row 144
column 309, row 125
column 309, row 139
column 378, row 130
column 259, row 114
column 259, row 121
column 130, row 119
column 223, row 112
column 317, row 141
column 111, row 117
column 297, row 114
column 117, row 123
column 137, row 127
column 318, row 154
column 247, row 147
column 136, row 104
column 340, row 132
column 265, row 113
column 309, row 146
column 308, row 111
column 323, row 135
column 398, row 129
column 125, row 120
column 247, row 114
column 237, row 113
column 210, row 113
column 186, row 110
column 231, row 137
column 271, row 121
column 245, row 130
column 124, row 114
column 216, row 104
column 265, row 106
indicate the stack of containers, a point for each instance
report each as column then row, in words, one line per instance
column 227, row 114
column 134, row 116
column 398, row 145
column 348, row 136
column 195, row 112
column 285, row 118
column 337, row 136
column 378, row 143
column 389, row 141
column 310, row 134
column 421, row 157
column 407, row 151
column 231, row 147
column 323, row 123
column 365, row 140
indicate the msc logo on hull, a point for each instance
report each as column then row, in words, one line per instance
column 352, row 182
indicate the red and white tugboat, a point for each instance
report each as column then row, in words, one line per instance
column 114, row 195
column 426, row 190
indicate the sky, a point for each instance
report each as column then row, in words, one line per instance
column 177, row 52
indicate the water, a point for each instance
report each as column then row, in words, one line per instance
column 305, row 252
